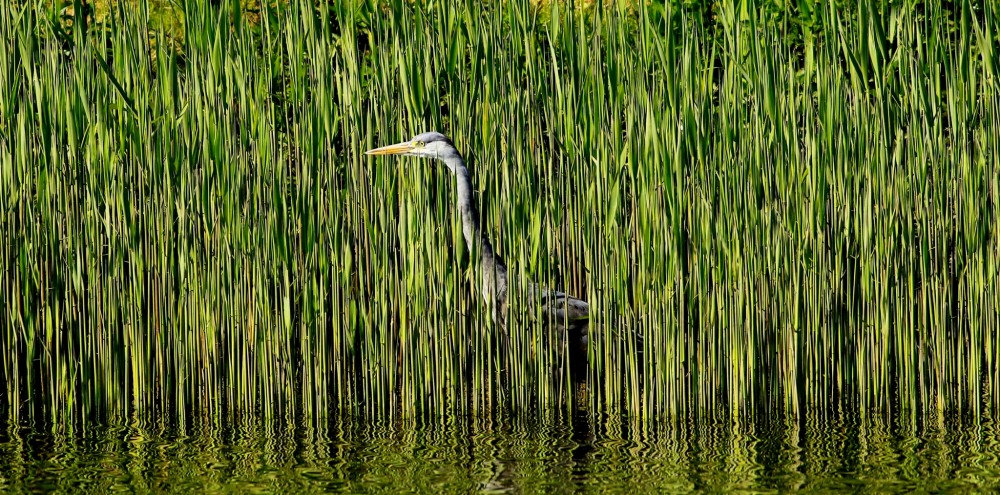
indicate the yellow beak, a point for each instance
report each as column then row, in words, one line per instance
column 392, row 149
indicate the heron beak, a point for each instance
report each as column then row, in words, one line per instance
column 392, row 149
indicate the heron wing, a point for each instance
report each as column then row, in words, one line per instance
column 560, row 306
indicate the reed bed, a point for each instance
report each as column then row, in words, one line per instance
column 769, row 209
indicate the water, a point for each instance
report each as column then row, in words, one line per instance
column 844, row 453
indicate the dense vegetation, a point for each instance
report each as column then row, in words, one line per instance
column 769, row 208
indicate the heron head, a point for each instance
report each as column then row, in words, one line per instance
column 427, row 145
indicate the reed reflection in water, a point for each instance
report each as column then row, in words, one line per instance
column 579, row 453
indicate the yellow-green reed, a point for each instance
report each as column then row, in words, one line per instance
column 768, row 209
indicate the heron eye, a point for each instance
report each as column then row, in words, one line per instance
column 419, row 144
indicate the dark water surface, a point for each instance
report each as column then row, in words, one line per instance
column 844, row 453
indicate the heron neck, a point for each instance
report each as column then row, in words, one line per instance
column 475, row 239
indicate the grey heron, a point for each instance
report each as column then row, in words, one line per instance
column 570, row 314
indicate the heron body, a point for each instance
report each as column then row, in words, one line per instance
column 567, row 312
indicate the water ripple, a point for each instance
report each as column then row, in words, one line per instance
column 532, row 452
